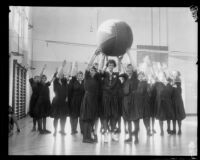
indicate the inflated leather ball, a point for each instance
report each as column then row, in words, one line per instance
column 114, row 37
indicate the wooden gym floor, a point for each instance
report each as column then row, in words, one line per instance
column 32, row 143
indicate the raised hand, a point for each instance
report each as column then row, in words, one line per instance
column 64, row 63
column 98, row 51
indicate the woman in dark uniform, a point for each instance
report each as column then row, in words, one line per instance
column 163, row 102
column 89, row 107
column 35, row 92
column 43, row 104
column 110, row 99
column 142, row 101
column 76, row 93
column 178, row 103
column 60, row 108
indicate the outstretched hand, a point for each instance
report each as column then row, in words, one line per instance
column 98, row 51
column 64, row 63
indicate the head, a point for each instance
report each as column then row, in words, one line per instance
column 96, row 65
column 93, row 71
column 44, row 78
column 141, row 76
column 79, row 75
column 121, row 79
column 129, row 69
column 111, row 64
column 169, row 80
column 36, row 78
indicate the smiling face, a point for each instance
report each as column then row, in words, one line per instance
column 92, row 72
column 129, row 69
column 80, row 76
column 44, row 79
column 111, row 66
column 36, row 78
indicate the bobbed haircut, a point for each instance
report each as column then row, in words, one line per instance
column 111, row 61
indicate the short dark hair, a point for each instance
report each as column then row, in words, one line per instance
column 44, row 76
column 111, row 61
column 80, row 72
column 93, row 67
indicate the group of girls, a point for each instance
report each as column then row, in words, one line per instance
column 105, row 95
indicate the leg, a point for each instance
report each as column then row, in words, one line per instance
column 71, row 123
column 34, row 124
column 136, row 123
column 153, row 122
column 147, row 125
column 95, row 129
column 81, row 125
column 179, row 127
column 62, row 124
column 113, row 126
column 55, row 124
column 174, row 127
column 40, row 126
column 161, row 127
column 105, row 126
column 168, row 126
column 75, row 124
column 44, row 126
column 129, row 132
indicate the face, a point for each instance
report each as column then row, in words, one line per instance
column 121, row 79
column 92, row 72
column 80, row 76
column 36, row 78
column 44, row 79
column 129, row 70
column 96, row 65
column 111, row 67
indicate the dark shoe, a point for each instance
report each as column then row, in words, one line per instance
column 172, row 132
column 41, row 131
column 118, row 130
column 46, row 131
column 34, row 129
column 62, row 132
column 149, row 133
column 179, row 132
column 162, row 133
column 136, row 141
column 153, row 131
column 133, row 132
column 88, row 141
column 18, row 130
column 95, row 138
column 128, row 140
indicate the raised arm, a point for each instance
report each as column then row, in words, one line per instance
column 43, row 71
column 120, row 63
column 54, row 76
column 61, row 72
column 131, row 59
column 75, row 69
column 97, row 52
column 102, row 62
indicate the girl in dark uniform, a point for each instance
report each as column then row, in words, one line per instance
column 110, row 98
column 76, row 92
column 142, row 101
column 152, row 102
column 35, row 92
column 130, row 110
column 59, row 107
column 89, row 106
column 163, row 102
column 178, row 103
column 43, row 104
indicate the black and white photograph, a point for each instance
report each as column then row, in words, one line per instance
column 103, row 80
